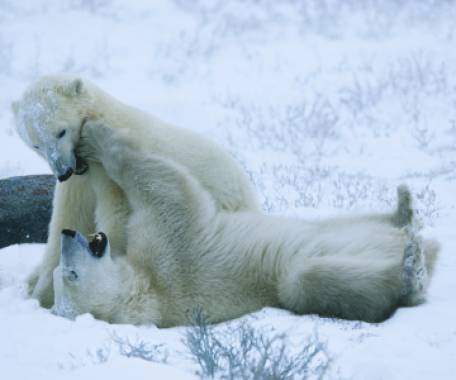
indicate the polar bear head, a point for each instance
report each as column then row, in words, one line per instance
column 87, row 280
column 49, row 118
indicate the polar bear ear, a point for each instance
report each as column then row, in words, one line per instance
column 74, row 88
column 15, row 107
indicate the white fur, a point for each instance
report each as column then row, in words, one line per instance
column 185, row 254
column 54, row 103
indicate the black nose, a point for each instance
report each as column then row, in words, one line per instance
column 98, row 244
column 65, row 176
column 69, row 233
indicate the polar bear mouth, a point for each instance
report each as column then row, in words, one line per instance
column 81, row 166
column 98, row 244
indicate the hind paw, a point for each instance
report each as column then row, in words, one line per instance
column 414, row 274
column 404, row 213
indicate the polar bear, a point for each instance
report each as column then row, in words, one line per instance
column 185, row 253
column 51, row 117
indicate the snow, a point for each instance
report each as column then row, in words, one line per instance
column 328, row 105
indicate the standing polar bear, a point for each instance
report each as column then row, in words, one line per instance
column 51, row 119
column 185, row 253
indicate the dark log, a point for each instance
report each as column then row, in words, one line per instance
column 25, row 209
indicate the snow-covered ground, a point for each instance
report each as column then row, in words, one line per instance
column 327, row 104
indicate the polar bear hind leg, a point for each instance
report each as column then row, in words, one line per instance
column 369, row 289
column 404, row 212
column 343, row 287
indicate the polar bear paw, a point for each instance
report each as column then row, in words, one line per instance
column 414, row 277
column 404, row 212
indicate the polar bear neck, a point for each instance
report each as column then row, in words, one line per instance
column 136, row 301
column 115, row 113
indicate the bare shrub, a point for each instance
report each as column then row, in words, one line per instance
column 140, row 349
column 240, row 351
column 427, row 207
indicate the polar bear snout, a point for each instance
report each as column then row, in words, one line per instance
column 72, row 243
column 63, row 177
column 62, row 168
column 61, row 158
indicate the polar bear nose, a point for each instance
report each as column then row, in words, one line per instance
column 69, row 233
column 98, row 244
column 66, row 175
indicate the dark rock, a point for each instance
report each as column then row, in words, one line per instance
column 25, row 209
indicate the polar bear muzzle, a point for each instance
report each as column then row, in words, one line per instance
column 63, row 177
column 81, row 167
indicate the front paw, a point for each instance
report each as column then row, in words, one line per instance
column 32, row 280
column 44, row 290
column 104, row 143
column 94, row 136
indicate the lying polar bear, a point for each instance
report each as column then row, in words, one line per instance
column 51, row 117
column 184, row 253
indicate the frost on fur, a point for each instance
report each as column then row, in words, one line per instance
column 419, row 260
column 419, row 255
column 414, row 276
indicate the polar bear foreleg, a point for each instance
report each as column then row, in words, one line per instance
column 73, row 208
column 151, row 182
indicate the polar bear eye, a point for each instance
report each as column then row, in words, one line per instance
column 73, row 276
column 36, row 147
column 70, row 275
column 61, row 133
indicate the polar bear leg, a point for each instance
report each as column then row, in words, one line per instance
column 73, row 208
column 401, row 217
column 343, row 287
column 111, row 211
column 169, row 208
column 404, row 211
column 150, row 182
column 170, row 196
